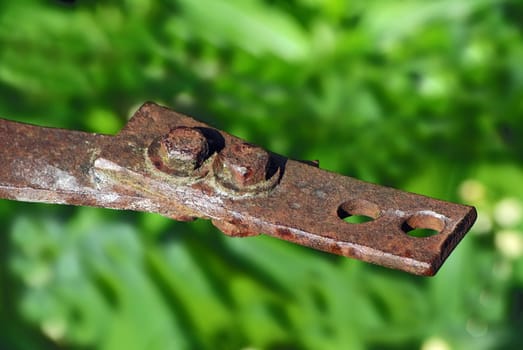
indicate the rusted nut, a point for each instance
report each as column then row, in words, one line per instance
column 181, row 152
column 243, row 164
column 244, row 167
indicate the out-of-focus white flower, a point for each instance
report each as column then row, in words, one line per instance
column 38, row 276
column 435, row 343
column 54, row 328
column 483, row 224
column 509, row 243
column 508, row 212
column 472, row 191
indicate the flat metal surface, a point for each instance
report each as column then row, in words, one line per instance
column 197, row 171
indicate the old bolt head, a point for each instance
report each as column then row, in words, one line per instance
column 244, row 168
column 181, row 152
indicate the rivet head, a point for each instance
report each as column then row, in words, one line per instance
column 244, row 167
column 181, row 152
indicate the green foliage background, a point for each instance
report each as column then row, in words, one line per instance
column 425, row 96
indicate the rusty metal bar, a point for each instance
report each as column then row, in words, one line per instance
column 170, row 164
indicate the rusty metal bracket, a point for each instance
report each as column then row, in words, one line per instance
column 170, row 164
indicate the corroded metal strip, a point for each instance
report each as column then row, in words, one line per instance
column 173, row 165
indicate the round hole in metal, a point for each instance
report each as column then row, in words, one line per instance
column 357, row 211
column 423, row 225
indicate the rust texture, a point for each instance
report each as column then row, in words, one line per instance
column 170, row 164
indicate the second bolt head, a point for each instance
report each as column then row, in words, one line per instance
column 242, row 165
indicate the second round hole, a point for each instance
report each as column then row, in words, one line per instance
column 423, row 225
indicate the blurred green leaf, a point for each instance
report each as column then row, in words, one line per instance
column 249, row 25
